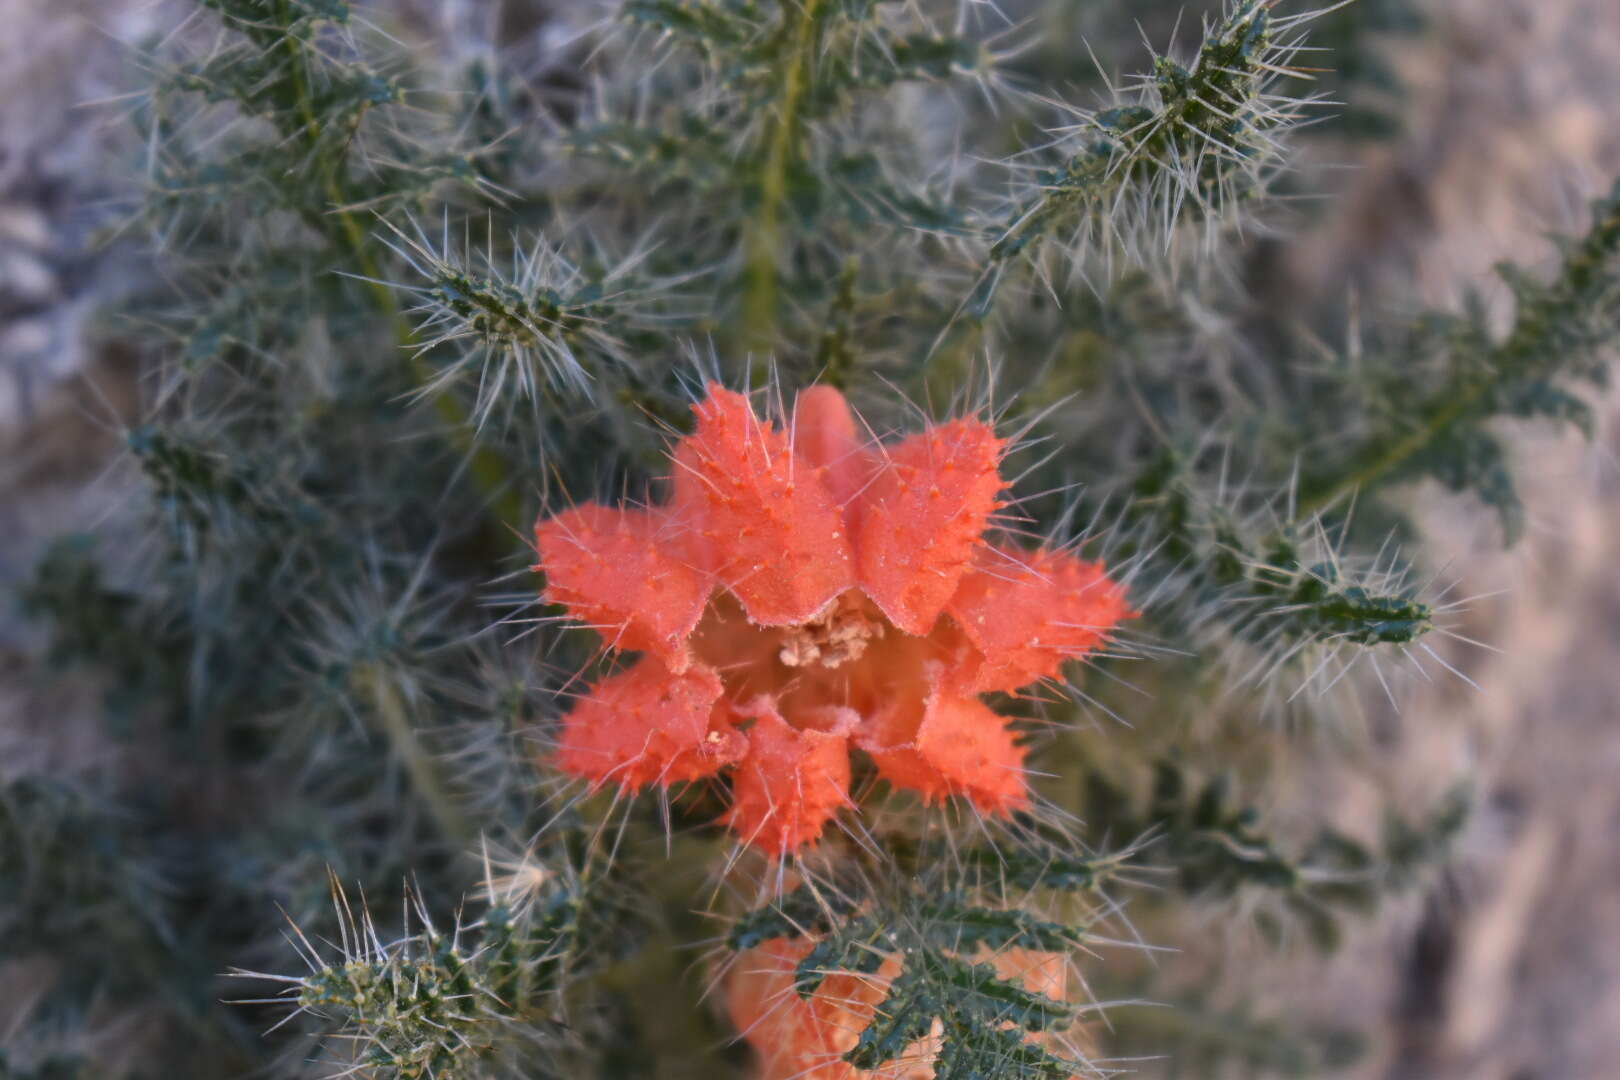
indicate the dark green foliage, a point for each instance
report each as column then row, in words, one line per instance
column 1206, row 1041
column 1439, row 395
column 1361, row 38
column 802, row 912
column 974, row 1006
column 73, row 868
column 971, row 1000
column 484, row 995
column 1258, row 587
column 1217, row 846
column 56, row 1067
column 100, row 627
column 101, row 906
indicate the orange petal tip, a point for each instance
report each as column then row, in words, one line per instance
column 648, row 725
column 922, row 519
column 770, row 531
column 614, row 569
column 790, row 784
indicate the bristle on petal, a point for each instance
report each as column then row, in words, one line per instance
column 806, row 1038
column 764, row 524
column 649, row 725
column 616, row 569
column 1029, row 611
column 957, row 746
column 790, row 783
column 922, row 519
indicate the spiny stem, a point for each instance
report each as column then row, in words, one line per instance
column 1516, row 357
column 1367, row 472
column 394, row 720
column 765, row 231
column 487, row 469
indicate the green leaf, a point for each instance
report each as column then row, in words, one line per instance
column 977, row 992
column 961, row 928
column 804, row 911
column 905, row 1015
column 971, row 1052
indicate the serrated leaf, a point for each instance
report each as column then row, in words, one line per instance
column 978, row 1053
column 1544, row 399
column 802, row 912
column 962, row 928
column 860, row 946
column 978, row 992
column 905, row 1015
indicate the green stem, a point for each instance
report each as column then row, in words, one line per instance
column 765, row 233
column 1368, row 470
column 394, row 719
column 487, row 469
column 1516, row 357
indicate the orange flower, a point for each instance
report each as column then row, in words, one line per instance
column 804, row 592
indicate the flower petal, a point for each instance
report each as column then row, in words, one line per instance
column 648, row 725
column 769, row 530
column 800, row 1039
column 922, row 518
column 1029, row 611
column 791, row 782
column 614, row 569
column 957, row 746
column 825, row 438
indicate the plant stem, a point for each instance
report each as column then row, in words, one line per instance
column 487, row 469
column 394, row 720
column 765, row 232
column 1520, row 355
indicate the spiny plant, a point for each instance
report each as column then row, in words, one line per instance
column 911, row 479
column 484, row 997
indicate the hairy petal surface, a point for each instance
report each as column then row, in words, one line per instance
column 617, row 570
column 646, row 725
column 768, row 529
column 957, row 746
column 922, row 518
column 825, row 438
column 790, row 783
column 1029, row 611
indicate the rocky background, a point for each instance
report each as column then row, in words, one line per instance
column 1508, row 967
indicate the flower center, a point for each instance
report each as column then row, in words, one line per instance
column 835, row 639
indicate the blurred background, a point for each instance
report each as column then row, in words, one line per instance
column 1473, row 130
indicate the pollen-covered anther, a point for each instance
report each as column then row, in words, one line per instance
column 804, row 596
column 835, row 639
